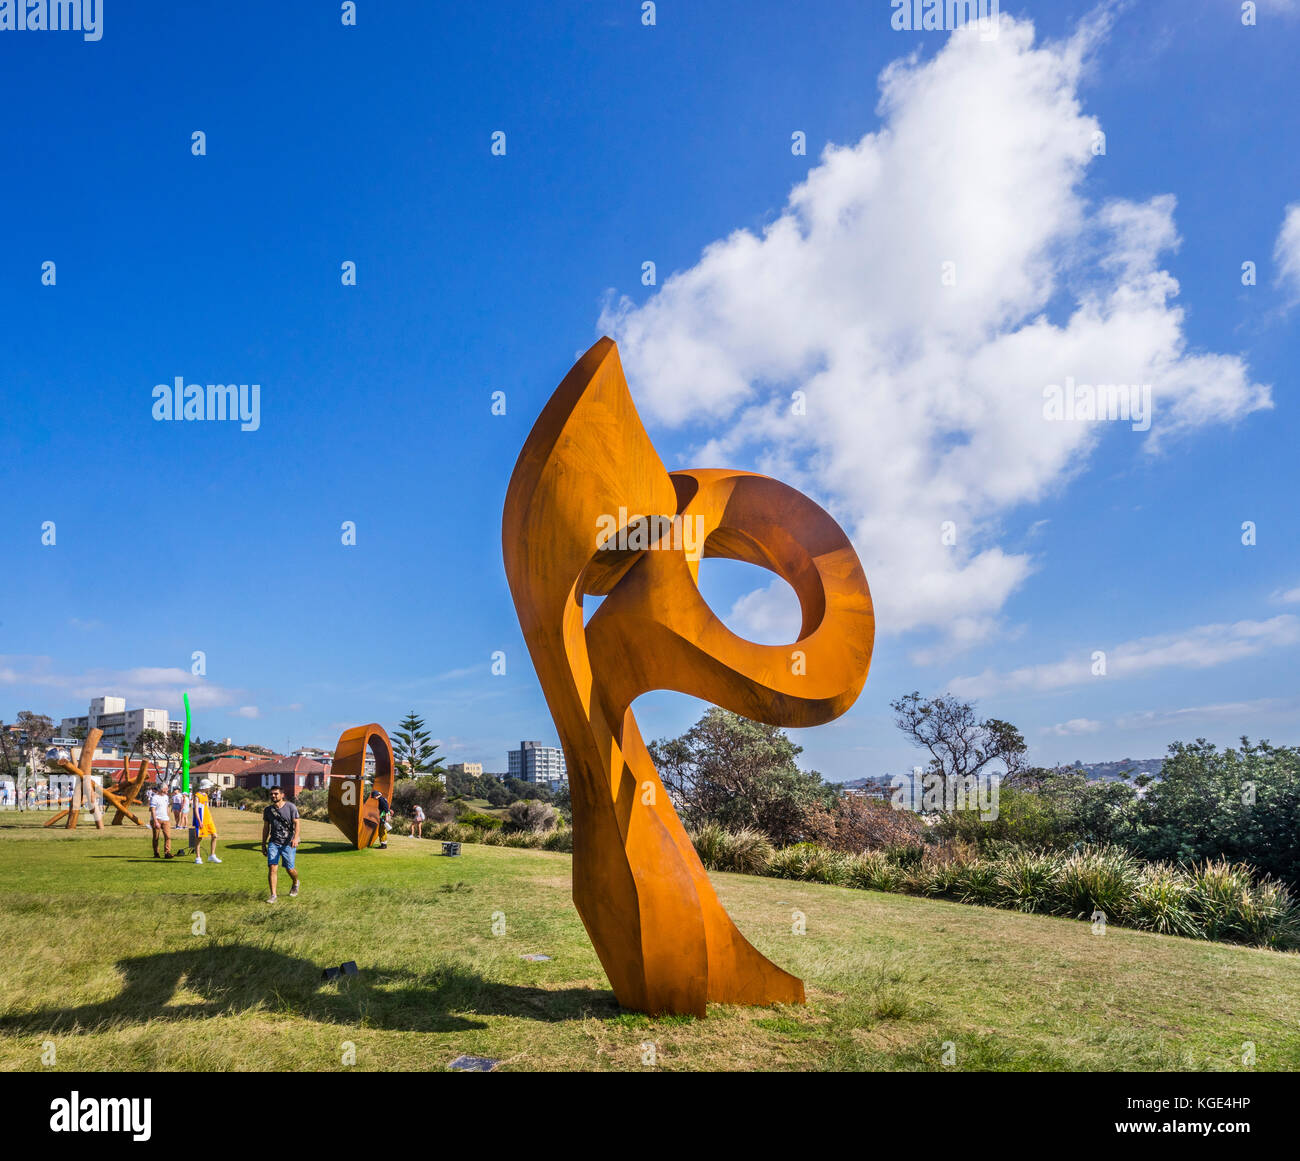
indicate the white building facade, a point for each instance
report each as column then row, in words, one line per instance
column 533, row 762
column 121, row 726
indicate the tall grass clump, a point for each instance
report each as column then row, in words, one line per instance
column 872, row 871
column 1029, row 881
column 809, row 862
column 745, row 851
column 1102, row 878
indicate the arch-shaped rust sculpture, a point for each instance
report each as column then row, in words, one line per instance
column 665, row 941
column 356, row 817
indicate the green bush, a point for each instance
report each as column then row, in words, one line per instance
column 872, row 871
column 483, row 821
column 745, row 851
column 559, row 840
column 1098, row 879
column 1214, row 900
column 809, row 862
column 1029, row 881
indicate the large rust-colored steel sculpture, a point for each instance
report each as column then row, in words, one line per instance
column 588, row 467
column 83, row 786
column 355, row 815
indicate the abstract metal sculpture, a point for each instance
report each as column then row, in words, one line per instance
column 665, row 941
column 123, row 796
column 83, row 786
column 355, row 815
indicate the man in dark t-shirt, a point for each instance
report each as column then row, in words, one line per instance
column 280, row 827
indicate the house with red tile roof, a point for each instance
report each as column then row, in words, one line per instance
column 289, row 774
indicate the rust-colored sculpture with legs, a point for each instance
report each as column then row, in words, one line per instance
column 350, row 811
column 83, row 786
column 665, row 941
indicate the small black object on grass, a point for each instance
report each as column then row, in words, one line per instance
column 472, row 1064
column 451, row 849
column 330, row 974
column 344, row 969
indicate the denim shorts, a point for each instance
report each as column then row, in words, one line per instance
column 280, row 853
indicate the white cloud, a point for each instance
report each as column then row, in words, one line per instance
column 1202, row 647
column 1286, row 252
column 1073, row 727
column 770, row 615
column 924, row 401
column 147, row 687
column 248, row 711
column 1287, row 596
column 1230, row 710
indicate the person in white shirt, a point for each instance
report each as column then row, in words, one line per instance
column 160, row 819
column 417, row 821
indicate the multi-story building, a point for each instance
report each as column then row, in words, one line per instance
column 533, row 762
column 121, row 726
column 472, row 769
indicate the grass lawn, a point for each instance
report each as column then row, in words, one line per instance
column 100, row 956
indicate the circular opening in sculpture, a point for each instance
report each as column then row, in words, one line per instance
column 752, row 602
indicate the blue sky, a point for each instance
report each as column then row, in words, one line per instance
column 479, row 273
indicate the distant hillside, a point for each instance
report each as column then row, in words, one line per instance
column 1094, row 771
column 1109, row 771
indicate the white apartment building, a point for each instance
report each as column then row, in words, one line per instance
column 121, row 726
column 533, row 762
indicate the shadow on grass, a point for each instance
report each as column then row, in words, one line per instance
column 304, row 848
column 233, row 978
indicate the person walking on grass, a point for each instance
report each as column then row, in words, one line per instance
column 417, row 821
column 205, row 826
column 160, row 819
column 280, row 825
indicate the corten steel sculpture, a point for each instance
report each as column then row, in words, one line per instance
column 123, row 796
column 665, row 941
column 356, row 817
column 83, row 786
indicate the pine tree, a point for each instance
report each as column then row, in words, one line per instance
column 413, row 752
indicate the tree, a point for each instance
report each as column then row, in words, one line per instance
column 7, row 763
column 959, row 744
column 413, row 752
column 153, row 745
column 735, row 772
column 1243, row 805
column 34, row 732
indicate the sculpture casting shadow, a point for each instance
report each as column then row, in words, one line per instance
column 233, row 978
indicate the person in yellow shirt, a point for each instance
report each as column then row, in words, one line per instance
column 204, row 825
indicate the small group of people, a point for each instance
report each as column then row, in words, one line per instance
column 164, row 813
column 281, row 830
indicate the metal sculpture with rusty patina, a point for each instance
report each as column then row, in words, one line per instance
column 350, row 810
column 592, row 511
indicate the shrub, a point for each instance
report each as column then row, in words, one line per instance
column 1098, row 879
column 530, row 839
column 532, row 816
column 558, row 840
column 425, row 791
column 1161, row 902
column 745, row 851
column 810, row 862
column 872, row 871
column 482, row 821
column 1028, row 881
column 977, row 882
column 852, row 824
